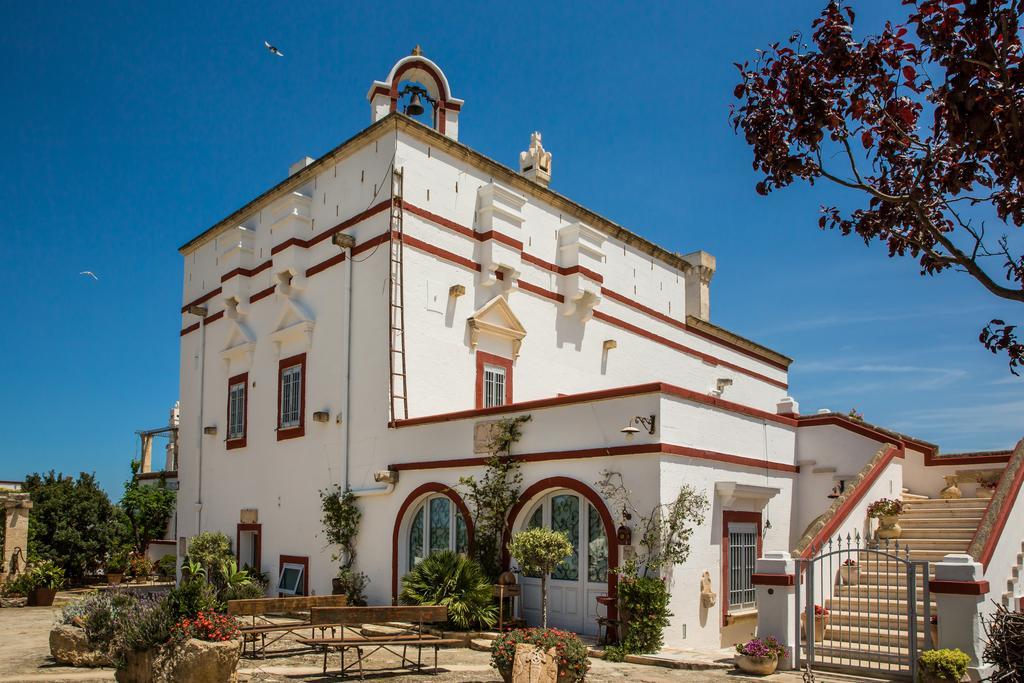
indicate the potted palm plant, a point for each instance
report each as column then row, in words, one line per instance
column 42, row 579
column 114, row 567
column 887, row 511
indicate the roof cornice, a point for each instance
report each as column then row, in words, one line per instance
column 397, row 121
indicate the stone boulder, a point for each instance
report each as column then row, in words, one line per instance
column 199, row 661
column 69, row 645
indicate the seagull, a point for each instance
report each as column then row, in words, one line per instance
column 273, row 50
column 90, row 274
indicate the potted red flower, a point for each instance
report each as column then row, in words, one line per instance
column 573, row 662
column 849, row 572
column 820, row 623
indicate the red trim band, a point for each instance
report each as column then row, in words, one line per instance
column 773, row 579
column 958, row 587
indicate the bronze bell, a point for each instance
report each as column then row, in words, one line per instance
column 415, row 107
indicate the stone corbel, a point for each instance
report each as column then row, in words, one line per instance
column 581, row 304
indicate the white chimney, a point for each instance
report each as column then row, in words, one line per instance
column 299, row 165
column 698, row 284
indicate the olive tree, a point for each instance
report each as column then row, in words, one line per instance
column 538, row 551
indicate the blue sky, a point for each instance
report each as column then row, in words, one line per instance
column 128, row 129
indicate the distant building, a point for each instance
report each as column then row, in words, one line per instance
column 169, row 472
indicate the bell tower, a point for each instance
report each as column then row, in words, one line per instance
column 426, row 86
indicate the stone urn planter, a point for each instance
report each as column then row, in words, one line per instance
column 849, row 574
column 41, row 597
column 200, row 661
column 70, row 645
column 759, row 666
column 935, row 636
column 138, row 667
column 951, row 491
column 889, row 526
column 985, row 492
column 114, row 578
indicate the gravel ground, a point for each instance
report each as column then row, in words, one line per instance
column 25, row 657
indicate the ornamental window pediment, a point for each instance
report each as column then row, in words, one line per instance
column 496, row 318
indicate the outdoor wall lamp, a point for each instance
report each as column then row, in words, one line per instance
column 321, row 416
column 342, row 240
column 196, row 309
column 647, row 423
column 210, row 431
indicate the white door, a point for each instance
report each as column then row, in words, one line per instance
column 573, row 587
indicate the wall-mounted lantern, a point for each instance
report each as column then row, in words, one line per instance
column 321, row 416
column 647, row 423
column 624, row 535
column 210, row 431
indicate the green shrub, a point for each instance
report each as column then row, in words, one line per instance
column 192, row 597
column 353, row 585
column 167, row 566
column 644, row 600
column 38, row 574
column 570, row 651
column 246, row 591
column 455, row 581
column 211, row 549
column 949, row 665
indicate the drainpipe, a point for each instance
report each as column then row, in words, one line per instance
column 346, row 242
column 201, row 312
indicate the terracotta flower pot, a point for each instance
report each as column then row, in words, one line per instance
column 889, row 526
column 41, row 597
column 820, row 624
column 760, row 666
column 114, row 578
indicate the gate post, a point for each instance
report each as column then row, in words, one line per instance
column 960, row 591
column 775, row 579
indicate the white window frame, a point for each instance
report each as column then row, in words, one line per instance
column 742, row 563
column 298, row 581
column 236, row 412
column 494, row 390
column 291, row 401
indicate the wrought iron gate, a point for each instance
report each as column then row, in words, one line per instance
column 863, row 606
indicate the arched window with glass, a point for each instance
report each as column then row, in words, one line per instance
column 436, row 524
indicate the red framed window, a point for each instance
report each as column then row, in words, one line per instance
column 238, row 408
column 291, row 397
column 493, row 380
column 293, row 575
column 741, row 546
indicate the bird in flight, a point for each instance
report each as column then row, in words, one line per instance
column 90, row 274
column 273, row 50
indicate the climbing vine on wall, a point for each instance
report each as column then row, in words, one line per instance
column 492, row 495
column 341, row 516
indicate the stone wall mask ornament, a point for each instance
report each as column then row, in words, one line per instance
column 708, row 597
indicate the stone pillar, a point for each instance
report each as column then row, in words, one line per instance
column 775, row 578
column 697, row 281
column 16, row 533
column 146, row 461
column 959, row 591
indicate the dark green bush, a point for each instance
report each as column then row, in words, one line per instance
column 192, row 597
column 643, row 603
column 455, row 581
column 167, row 566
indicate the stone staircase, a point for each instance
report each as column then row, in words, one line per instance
column 868, row 622
column 1015, row 584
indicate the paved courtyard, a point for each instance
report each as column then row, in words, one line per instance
column 25, row 656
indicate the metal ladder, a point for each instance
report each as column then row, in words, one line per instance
column 396, row 305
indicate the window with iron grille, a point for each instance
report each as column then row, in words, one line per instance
column 236, row 411
column 742, row 555
column 494, row 386
column 291, row 396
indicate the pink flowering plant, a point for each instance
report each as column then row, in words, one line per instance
column 762, row 647
column 885, row 507
column 570, row 651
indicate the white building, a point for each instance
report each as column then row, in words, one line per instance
column 506, row 298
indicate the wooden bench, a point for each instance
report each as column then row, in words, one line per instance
column 355, row 617
column 261, row 626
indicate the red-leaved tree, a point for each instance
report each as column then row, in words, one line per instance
column 925, row 119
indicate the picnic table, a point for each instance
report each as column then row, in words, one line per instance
column 260, row 609
column 353, row 618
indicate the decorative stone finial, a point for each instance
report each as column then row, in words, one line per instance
column 535, row 163
column 417, row 51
